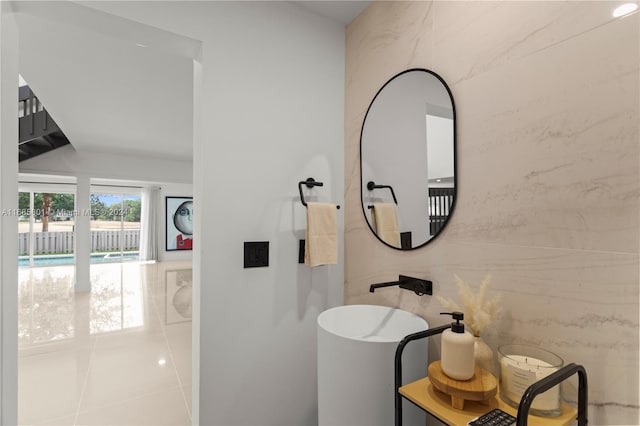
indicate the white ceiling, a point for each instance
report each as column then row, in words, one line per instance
column 106, row 91
column 343, row 11
column 115, row 85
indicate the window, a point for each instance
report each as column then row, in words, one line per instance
column 115, row 227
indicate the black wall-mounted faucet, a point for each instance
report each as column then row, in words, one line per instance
column 418, row 286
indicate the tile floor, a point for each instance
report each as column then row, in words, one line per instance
column 119, row 355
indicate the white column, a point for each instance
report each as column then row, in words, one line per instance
column 8, row 222
column 82, row 235
column 32, row 221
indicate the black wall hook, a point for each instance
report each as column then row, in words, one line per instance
column 310, row 183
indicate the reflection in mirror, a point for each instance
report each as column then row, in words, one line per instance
column 407, row 159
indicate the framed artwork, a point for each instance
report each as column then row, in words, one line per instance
column 179, row 223
column 178, row 295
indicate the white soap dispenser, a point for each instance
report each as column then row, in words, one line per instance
column 456, row 356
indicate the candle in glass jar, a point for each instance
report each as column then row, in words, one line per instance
column 518, row 372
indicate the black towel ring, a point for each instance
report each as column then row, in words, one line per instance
column 371, row 186
column 310, row 183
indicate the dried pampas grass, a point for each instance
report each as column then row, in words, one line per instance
column 479, row 311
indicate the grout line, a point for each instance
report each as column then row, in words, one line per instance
column 48, row 421
column 114, row 403
column 537, row 247
column 86, row 380
column 171, row 356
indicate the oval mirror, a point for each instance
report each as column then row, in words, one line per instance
column 408, row 159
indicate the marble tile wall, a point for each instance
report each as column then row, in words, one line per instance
column 547, row 99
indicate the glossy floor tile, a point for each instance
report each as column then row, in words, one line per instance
column 118, row 355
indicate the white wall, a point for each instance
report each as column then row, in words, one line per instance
column 439, row 147
column 8, row 223
column 272, row 114
column 273, row 79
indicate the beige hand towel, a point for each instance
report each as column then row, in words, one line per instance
column 385, row 222
column 321, row 247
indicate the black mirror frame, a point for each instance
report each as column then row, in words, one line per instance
column 455, row 159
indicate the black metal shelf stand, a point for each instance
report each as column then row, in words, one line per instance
column 398, row 364
column 527, row 398
column 550, row 381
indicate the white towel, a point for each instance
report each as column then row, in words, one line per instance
column 321, row 247
column 385, row 222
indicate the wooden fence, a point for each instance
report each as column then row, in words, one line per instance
column 62, row 242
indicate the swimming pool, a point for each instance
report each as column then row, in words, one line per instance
column 67, row 259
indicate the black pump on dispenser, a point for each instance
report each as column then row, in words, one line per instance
column 456, row 354
column 456, row 327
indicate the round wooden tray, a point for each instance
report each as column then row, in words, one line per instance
column 481, row 387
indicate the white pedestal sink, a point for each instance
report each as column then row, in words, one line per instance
column 356, row 351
